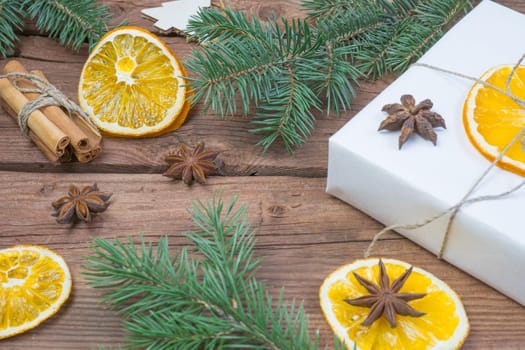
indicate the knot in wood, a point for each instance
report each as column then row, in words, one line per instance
column 277, row 211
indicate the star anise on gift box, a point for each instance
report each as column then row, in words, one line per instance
column 192, row 165
column 385, row 299
column 80, row 204
column 409, row 117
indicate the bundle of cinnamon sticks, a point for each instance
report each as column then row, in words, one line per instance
column 61, row 137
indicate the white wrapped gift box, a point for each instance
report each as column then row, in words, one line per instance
column 407, row 186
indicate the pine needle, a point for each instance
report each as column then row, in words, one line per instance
column 287, row 69
column 11, row 15
column 280, row 68
column 209, row 299
column 71, row 22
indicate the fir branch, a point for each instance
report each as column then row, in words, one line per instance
column 322, row 9
column 326, row 8
column 333, row 77
column 387, row 36
column 225, row 25
column 212, row 301
column 224, row 71
column 372, row 48
column 359, row 23
column 344, row 27
column 71, row 22
column 432, row 20
column 280, row 68
column 402, row 9
column 288, row 113
column 11, row 14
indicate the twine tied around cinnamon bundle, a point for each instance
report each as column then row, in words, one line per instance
column 55, row 124
column 49, row 96
column 466, row 199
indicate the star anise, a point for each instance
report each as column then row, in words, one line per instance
column 191, row 165
column 385, row 298
column 80, row 204
column 409, row 117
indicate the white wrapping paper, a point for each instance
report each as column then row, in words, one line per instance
column 407, row 186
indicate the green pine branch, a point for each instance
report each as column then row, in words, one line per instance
column 431, row 22
column 282, row 71
column 373, row 49
column 204, row 298
column 11, row 15
column 71, row 22
column 344, row 26
column 287, row 115
column 326, row 8
column 279, row 68
column 403, row 30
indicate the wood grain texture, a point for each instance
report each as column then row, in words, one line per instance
column 303, row 232
column 229, row 136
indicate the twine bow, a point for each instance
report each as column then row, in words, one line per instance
column 49, row 96
column 453, row 210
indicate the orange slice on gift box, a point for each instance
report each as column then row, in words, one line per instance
column 443, row 325
column 132, row 85
column 492, row 119
column 34, row 283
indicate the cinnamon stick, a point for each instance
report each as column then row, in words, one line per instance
column 38, row 142
column 81, row 138
column 94, row 138
column 79, row 141
column 51, row 136
column 88, row 156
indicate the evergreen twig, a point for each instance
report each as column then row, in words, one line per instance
column 286, row 69
column 213, row 301
column 325, row 8
column 281, row 67
column 389, row 35
column 71, row 22
column 11, row 15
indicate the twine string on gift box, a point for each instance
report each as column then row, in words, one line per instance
column 49, row 96
column 465, row 200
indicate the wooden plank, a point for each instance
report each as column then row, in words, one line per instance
column 140, row 203
column 229, row 136
column 130, row 12
column 303, row 233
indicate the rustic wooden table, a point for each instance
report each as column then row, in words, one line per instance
column 303, row 232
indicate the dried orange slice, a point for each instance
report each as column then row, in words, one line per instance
column 132, row 85
column 34, row 283
column 492, row 119
column 444, row 324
